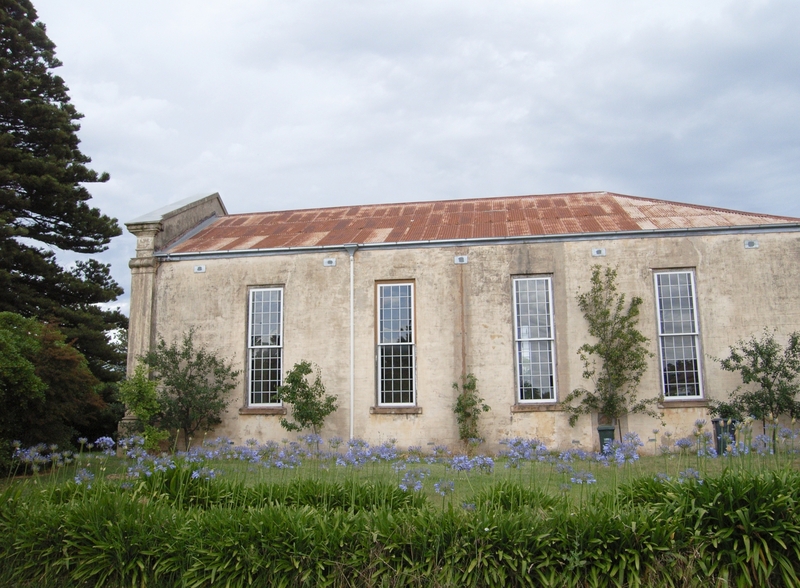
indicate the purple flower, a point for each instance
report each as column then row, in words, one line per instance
column 521, row 449
column 444, row 487
column 204, row 474
column 136, row 470
column 689, row 474
column 104, row 443
column 440, row 450
column 413, row 479
column 461, row 463
column 484, row 463
column 583, row 477
column 564, row 468
column 86, row 476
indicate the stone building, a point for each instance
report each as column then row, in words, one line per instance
column 396, row 302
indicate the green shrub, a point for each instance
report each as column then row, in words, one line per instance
column 468, row 409
column 310, row 404
column 737, row 529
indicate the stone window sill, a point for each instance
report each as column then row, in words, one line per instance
column 685, row 404
column 247, row 410
column 550, row 407
column 395, row 410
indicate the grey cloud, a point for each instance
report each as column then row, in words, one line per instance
column 310, row 103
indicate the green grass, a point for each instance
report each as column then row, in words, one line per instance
column 547, row 477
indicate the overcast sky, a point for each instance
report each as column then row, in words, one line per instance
column 296, row 104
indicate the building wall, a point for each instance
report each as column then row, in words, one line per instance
column 464, row 323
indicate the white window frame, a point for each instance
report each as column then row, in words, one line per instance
column 689, row 331
column 392, row 397
column 257, row 346
column 523, row 339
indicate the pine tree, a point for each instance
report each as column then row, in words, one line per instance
column 43, row 200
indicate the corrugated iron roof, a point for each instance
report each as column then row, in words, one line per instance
column 515, row 216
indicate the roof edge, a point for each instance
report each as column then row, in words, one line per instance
column 175, row 208
column 522, row 239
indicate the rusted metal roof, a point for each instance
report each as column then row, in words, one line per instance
column 453, row 220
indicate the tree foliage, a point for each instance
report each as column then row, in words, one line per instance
column 47, row 390
column 21, row 390
column 617, row 360
column 310, row 404
column 468, row 408
column 770, row 376
column 193, row 386
column 44, row 201
column 139, row 394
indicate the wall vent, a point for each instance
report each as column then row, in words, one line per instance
column 329, row 262
column 460, row 259
column 598, row 251
column 199, row 269
column 750, row 244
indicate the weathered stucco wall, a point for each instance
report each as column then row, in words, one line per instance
column 153, row 232
column 464, row 323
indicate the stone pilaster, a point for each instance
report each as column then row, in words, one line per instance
column 142, row 310
column 143, row 282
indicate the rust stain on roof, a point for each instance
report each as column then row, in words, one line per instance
column 517, row 216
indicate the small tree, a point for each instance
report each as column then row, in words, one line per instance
column 310, row 404
column 193, row 386
column 140, row 395
column 468, row 408
column 617, row 361
column 774, row 372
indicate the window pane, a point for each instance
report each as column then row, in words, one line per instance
column 533, row 308
column 535, row 360
column 396, row 366
column 534, row 334
column 395, row 314
column 676, row 303
column 679, row 358
column 265, row 317
column 265, row 345
column 265, row 375
column 678, row 341
column 396, row 344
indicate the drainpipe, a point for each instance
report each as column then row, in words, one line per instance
column 351, row 250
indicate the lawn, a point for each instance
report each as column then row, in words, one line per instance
column 435, row 472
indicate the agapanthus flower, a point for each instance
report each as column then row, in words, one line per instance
column 84, row 476
column 444, row 487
